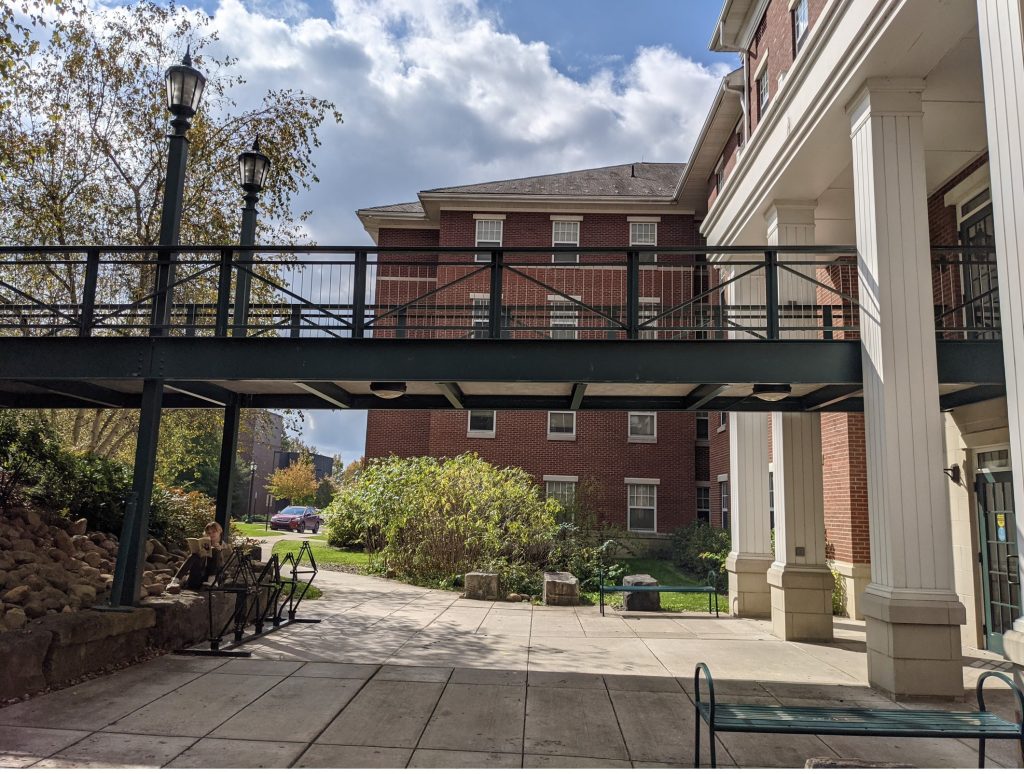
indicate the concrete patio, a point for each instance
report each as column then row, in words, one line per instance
column 400, row 676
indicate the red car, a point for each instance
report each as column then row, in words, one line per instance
column 297, row 518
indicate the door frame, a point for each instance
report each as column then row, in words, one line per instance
column 992, row 639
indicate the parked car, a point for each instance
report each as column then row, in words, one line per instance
column 297, row 518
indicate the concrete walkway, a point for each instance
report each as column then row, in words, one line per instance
column 400, row 676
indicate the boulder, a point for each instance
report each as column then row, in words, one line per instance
column 64, row 542
column 481, row 585
column 561, row 588
column 79, row 527
column 83, row 592
column 23, row 544
column 17, row 595
column 32, row 519
column 15, row 618
column 154, row 589
column 514, row 598
column 34, row 607
column 641, row 600
column 93, row 559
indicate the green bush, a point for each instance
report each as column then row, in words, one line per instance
column 176, row 514
column 582, row 553
column 838, row 593
column 28, row 449
column 432, row 520
column 699, row 548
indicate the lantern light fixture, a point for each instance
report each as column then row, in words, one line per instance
column 185, row 86
column 772, row 392
column 253, row 168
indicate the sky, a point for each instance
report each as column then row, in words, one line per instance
column 446, row 92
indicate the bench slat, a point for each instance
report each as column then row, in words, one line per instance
column 858, row 720
column 683, row 589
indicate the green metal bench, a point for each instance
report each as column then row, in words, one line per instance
column 854, row 721
column 708, row 588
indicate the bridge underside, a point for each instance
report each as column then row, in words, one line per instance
column 109, row 372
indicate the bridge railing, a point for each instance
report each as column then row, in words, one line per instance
column 631, row 293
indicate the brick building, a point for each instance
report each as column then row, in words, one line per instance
column 650, row 472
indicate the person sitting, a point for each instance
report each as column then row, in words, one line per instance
column 203, row 562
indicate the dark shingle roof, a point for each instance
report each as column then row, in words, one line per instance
column 622, row 180
column 411, row 208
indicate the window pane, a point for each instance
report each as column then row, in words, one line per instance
column 565, row 232
column 481, row 420
column 641, row 425
column 562, row 422
column 643, row 233
column 641, row 519
column 563, row 491
column 564, row 320
column 488, row 231
column 702, row 425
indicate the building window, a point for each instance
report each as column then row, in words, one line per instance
column 564, row 321
column 771, row 499
column 649, row 309
column 643, row 508
column 719, row 175
column 643, row 234
column 801, row 22
column 704, row 503
column 723, row 419
column 480, row 317
column 565, row 233
column 562, row 489
column 481, row 424
column 561, row 425
column 762, row 92
column 723, row 493
column 702, row 425
column 488, row 234
column 643, row 427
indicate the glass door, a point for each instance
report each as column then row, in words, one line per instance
column 981, row 289
column 997, row 533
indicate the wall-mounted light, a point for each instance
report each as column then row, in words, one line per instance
column 388, row 390
column 771, row 392
column 954, row 474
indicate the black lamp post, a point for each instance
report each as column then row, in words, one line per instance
column 253, row 168
column 185, row 87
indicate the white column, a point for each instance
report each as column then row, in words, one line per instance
column 800, row 580
column 1001, row 35
column 750, row 557
column 912, row 611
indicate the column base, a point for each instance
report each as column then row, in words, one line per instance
column 1013, row 643
column 913, row 643
column 749, row 595
column 801, row 602
column 855, row 578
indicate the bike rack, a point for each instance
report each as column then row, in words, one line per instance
column 259, row 599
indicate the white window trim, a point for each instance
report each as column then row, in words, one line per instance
column 487, row 216
column 723, row 477
column 976, row 450
column 630, row 438
column 573, row 310
column 722, row 425
column 481, row 433
column 702, row 485
column 645, row 481
column 476, row 236
column 562, row 436
column 966, row 189
column 555, row 220
column 652, row 331
column 652, row 249
column 761, row 65
column 566, row 479
column 577, row 218
column 643, row 219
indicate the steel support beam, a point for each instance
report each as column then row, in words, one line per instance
column 207, row 393
column 328, row 392
column 131, row 553
column 228, row 452
column 452, row 393
column 90, row 393
column 824, row 397
column 578, row 391
column 702, row 394
column 976, row 394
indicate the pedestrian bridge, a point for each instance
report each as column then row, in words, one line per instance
column 682, row 328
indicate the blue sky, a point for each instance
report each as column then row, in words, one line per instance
column 442, row 92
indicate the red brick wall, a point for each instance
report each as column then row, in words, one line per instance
column 846, row 487
column 719, row 463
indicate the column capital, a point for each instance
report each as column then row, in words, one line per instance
column 790, row 212
column 885, row 96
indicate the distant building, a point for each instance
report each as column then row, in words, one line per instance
column 260, row 439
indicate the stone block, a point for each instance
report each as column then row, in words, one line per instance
column 481, row 585
column 641, row 600
column 22, row 654
column 89, row 640
column 561, row 588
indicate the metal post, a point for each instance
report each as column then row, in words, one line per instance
column 92, row 271
column 826, row 322
column 131, row 554
column 771, row 292
column 494, row 313
column 243, row 284
column 228, row 452
column 170, row 225
column 632, row 295
column 359, row 295
column 190, row 320
column 296, row 321
column 224, row 295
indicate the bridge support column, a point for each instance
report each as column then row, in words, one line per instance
column 226, row 473
column 800, row 580
column 1001, row 34
column 912, row 611
column 131, row 552
column 750, row 557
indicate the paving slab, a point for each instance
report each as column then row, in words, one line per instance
column 656, row 726
column 197, row 708
column 597, row 655
column 414, row 674
column 919, row 753
column 95, row 704
column 578, row 680
column 451, row 759
column 484, row 718
column 118, row 751
column 642, row 683
column 573, row 722
column 385, row 714
column 770, row 661
column 235, row 754
column 505, row 624
column 297, row 709
column 258, row 666
column 335, row 756
column 21, row 747
column 571, row 762
column 463, row 650
column 482, row 676
column 333, row 670
column 788, row 751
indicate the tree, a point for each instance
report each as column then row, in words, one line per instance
column 297, row 483
column 83, row 149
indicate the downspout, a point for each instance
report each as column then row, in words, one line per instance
column 744, row 100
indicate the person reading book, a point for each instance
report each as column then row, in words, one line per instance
column 203, row 561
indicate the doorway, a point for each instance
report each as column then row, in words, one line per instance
column 997, row 535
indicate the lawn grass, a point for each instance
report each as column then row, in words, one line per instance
column 667, row 574
column 258, row 529
column 327, row 557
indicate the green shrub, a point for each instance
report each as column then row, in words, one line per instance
column 28, row 448
column 85, row 486
column 432, row 520
column 344, row 522
column 177, row 514
column 582, row 553
column 838, row 593
column 699, row 548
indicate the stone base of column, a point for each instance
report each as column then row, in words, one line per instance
column 1013, row 643
column 856, row 578
column 749, row 595
column 801, row 602
column 913, row 643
